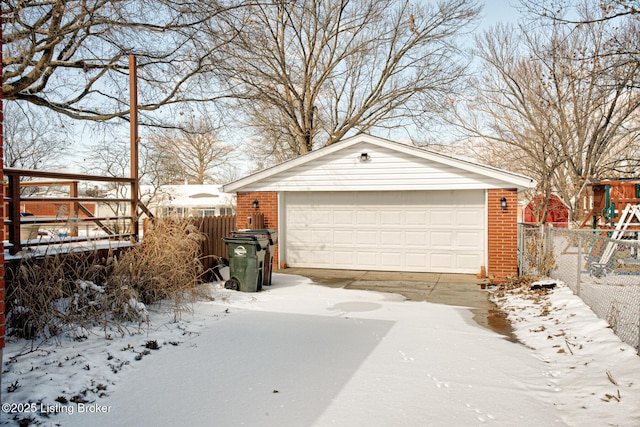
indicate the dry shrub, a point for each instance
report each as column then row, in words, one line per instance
column 539, row 254
column 73, row 291
column 165, row 266
column 31, row 300
column 57, row 292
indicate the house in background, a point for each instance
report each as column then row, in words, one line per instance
column 367, row 203
column 179, row 200
column 191, row 201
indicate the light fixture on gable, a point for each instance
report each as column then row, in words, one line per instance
column 256, row 204
column 364, row 158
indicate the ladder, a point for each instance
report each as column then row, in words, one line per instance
column 630, row 211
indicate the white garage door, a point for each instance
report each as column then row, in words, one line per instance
column 431, row 231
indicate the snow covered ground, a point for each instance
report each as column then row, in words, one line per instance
column 300, row 354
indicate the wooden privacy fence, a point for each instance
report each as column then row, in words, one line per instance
column 215, row 228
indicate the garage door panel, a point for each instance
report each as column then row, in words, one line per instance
column 417, row 260
column 322, row 217
column 416, row 218
column 414, row 238
column 345, row 237
column 321, row 236
column 438, row 231
column 344, row 259
column 367, row 237
column 442, row 239
column 299, row 218
column 467, row 239
column 391, row 260
column 342, row 217
column 442, row 261
column 442, row 218
column 323, row 257
column 368, row 259
column 367, row 218
column 467, row 261
column 298, row 235
column 393, row 217
column 469, row 218
column 391, row 238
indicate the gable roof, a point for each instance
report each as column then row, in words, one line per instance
column 427, row 164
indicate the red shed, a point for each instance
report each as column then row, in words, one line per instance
column 557, row 212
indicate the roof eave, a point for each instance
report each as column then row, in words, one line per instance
column 520, row 182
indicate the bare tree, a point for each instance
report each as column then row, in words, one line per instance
column 549, row 104
column 32, row 143
column 192, row 154
column 71, row 56
column 621, row 16
column 572, row 11
column 110, row 158
column 307, row 73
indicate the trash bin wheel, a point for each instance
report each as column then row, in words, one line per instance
column 232, row 284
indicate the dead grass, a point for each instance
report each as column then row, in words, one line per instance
column 539, row 254
column 166, row 266
column 75, row 291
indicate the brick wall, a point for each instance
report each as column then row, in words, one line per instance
column 54, row 210
column 503, row 235
column 267, row 205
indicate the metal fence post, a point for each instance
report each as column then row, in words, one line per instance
column 579, row 266
column 542, row 250
column 520, row 250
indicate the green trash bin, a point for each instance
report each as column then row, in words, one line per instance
column 270, row 234
column 246, row 262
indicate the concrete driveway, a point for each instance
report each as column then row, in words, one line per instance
column 463, row 290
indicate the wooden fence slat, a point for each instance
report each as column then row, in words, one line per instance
column 256, row 221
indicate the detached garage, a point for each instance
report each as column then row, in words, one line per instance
column 368, row 203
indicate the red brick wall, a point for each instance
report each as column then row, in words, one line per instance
column 503, row 235
column 267, row 205
column 54, row 210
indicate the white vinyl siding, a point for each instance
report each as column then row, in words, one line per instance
column 387, row 170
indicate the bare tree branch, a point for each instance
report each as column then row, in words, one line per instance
column 308, row 73
column 32, row 144
column 71, row 56
column 545, row 108
column 193, row 154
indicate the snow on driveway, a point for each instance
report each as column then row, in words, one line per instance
column 301, row 354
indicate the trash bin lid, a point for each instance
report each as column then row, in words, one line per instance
column 257, row 240
column 270, row 233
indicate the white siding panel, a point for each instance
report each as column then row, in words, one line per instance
column 389, row 170
column 439, row 231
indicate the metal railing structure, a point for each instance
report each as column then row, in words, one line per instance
column 603, row 271
column 77, row 211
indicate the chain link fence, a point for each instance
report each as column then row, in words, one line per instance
column 603, row 272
